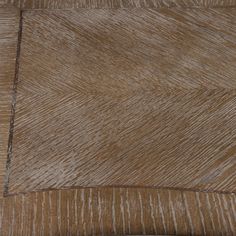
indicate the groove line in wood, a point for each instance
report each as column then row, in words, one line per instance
column 13, row 103
column 9, row 22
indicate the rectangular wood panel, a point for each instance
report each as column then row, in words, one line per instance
column 134, row 97
column 119, row 211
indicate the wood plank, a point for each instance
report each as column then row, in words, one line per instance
column 73, row 4
column 109, row 98
column 9, row 25
column 118, row 211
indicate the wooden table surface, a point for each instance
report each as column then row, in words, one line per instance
column 117, row 117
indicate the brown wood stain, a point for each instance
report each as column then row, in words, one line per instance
column 117, row 117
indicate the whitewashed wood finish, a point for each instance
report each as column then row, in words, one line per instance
column 72, row 4
column 109, row 98
column 112, row 211
column 119, row 211
column 9, row 25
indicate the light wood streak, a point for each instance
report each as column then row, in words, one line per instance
column 193, row 213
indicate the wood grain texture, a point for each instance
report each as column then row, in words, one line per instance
column 72, row 4
column 200, row 112
column 109, row 98
column 9, row 23
column 119, row 211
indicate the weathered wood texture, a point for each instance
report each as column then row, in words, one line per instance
column 68, row 4
column 189, row 113
column 127, row 98
column 9, row 24
column 119, row 211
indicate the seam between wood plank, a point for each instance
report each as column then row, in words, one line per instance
column 13, row 105
column 194, row 190
column 128, row 8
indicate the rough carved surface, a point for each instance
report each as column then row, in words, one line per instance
column 109, row 98
column 119, row 211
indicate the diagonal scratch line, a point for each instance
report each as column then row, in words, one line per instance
column 13, row 105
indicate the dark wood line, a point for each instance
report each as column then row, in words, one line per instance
column 13, row 105
column 7, row 194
